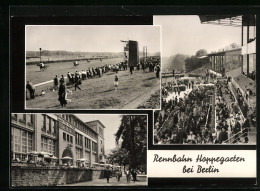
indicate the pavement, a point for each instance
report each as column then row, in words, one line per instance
column 142, row 181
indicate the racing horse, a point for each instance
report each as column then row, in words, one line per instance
column 42, row 66
column 75, row 63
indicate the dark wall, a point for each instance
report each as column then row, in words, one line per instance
column 51, row 176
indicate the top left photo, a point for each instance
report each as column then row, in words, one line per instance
column 92, row 67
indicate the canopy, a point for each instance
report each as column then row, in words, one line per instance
column 64, row 158
column 82, row 159
column 46, row 156
column 33, row 153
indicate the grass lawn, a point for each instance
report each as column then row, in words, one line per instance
column 97, row 93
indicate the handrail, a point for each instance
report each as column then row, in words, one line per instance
column 235, row 135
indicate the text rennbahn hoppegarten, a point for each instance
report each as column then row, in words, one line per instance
column 209, row 161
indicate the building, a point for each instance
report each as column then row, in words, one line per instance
column 63, row 135
column 241, row 68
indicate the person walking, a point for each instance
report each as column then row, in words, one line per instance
column 77, row 83
column 128, row 175
column 107, row 174
column 118, row 176
column 134, row 174
column 116, row 83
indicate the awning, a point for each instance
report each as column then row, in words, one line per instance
column 46, row 156
column 66, row 158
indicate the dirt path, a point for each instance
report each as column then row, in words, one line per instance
column 141, row 98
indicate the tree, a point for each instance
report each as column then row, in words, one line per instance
column 195, row 62
column 201, row 52
column 132, row 135
column 119, row 156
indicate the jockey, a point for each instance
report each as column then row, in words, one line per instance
column 41, row 65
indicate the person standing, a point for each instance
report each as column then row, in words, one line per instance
column 128, row 175
column 62, row 80
column 107, row 174
column 131, row 69
column 223, row 136
column 31, row 89
column 116, row 83
column 62, row 94
column 119, row 174
column 56, row 83
column 134, row 174
column 236, row 130
column 158, row 71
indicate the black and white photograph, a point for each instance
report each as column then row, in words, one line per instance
column 50, row 149
column 208, row 80
column 92, row 67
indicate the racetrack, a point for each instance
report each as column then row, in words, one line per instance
column 36, row 76
column 96, row 93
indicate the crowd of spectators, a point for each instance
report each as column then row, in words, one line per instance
column 183, row 120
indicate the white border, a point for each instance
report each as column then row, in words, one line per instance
column 147, row 129
column 65, row 109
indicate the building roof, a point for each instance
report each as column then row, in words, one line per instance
column 226, row 51
column 228, row 20
column 97, row 122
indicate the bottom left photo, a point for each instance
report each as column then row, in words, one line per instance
column 48, row 149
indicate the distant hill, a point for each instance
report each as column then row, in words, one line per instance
column 63, row 53
column 175, row 62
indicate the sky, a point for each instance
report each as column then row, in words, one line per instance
column 186, row 35
column 90, row 38
column 110, row 121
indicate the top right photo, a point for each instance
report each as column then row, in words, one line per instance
column 208, row 80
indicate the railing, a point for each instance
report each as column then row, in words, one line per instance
column 207, row 118
column 237, row 134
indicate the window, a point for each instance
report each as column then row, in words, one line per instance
column 71, row 139
column 47, row 121
column 24, row 142
column 50, row 145
column 68, row 138
column 64, row 136
column 87, row 155
column 53, row 126
column 31, row 119
column 17, row 140
column 30, row 142
column 53, row 147
column 50, row 124
column 79, row 153
column 43, row 121
column 45, row 145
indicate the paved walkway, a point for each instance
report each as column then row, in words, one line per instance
column 142, row 181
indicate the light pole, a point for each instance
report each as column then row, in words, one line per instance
column 40, row 55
